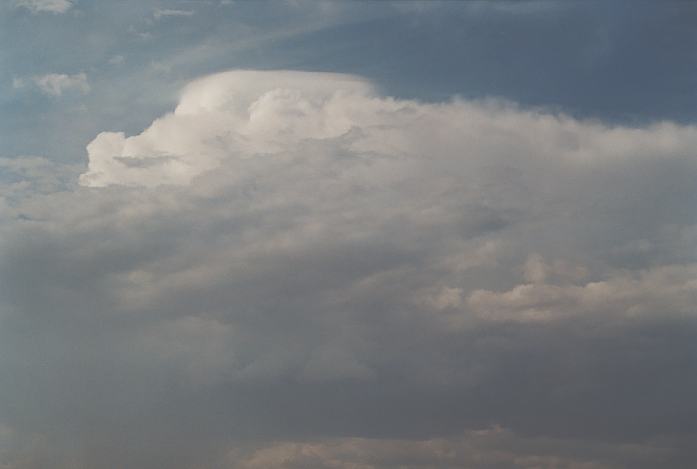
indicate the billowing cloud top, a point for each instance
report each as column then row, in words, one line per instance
column 228, row 115
column 291, row 270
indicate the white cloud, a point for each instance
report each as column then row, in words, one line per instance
column 55, row 84
column 665, row 290
column 240, row 114
column 49, row 6
column 247, row 112
column 168, row 13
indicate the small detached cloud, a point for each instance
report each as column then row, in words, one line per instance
column 55, row 84
column 45, row 6
column 160, row 13
column 117, row 60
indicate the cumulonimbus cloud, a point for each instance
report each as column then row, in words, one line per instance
column 294, row 259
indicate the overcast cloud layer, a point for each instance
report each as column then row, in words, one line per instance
column 290, row 270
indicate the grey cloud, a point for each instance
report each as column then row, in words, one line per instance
column 324, row 274
column 493, row 447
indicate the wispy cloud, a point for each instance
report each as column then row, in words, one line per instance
column 45, row 6
column 117, row 60
column 55, row 84
column 166, row 13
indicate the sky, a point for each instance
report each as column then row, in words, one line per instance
column 348, row 235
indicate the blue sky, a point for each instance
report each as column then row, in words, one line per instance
column 337, row 235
